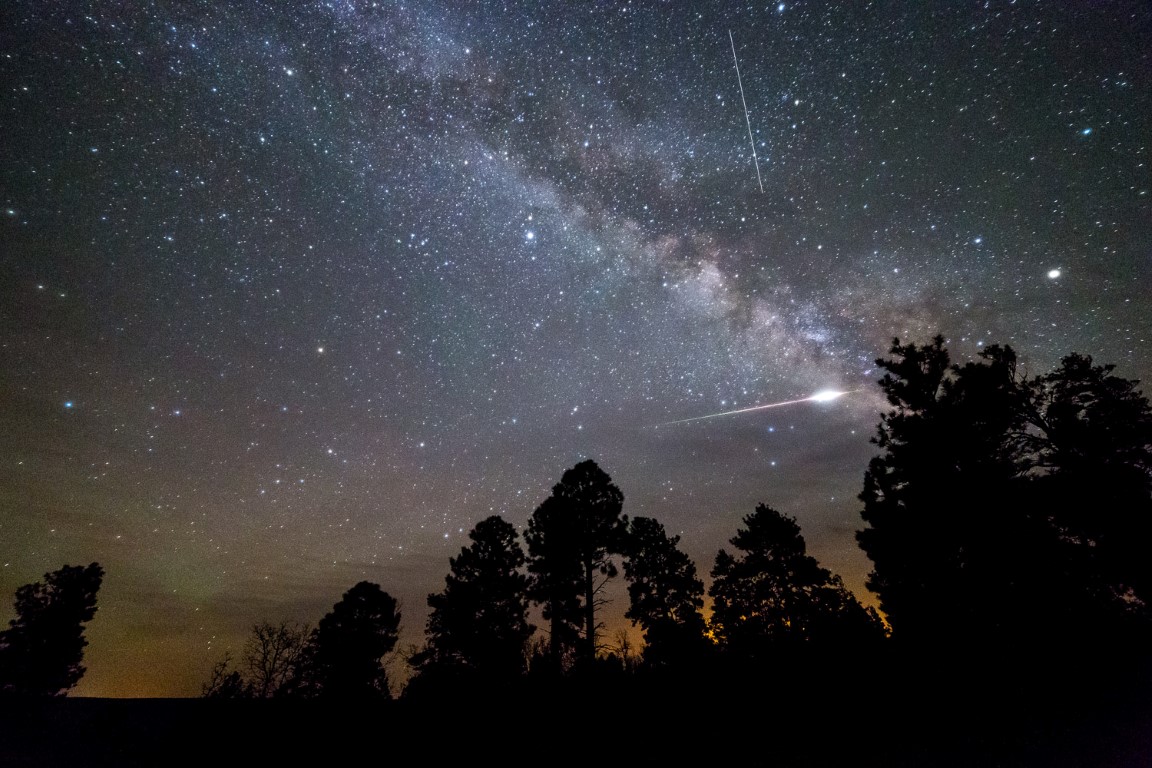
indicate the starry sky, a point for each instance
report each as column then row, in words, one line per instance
column 294, row 294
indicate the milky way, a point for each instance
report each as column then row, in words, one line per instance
column 294, row 294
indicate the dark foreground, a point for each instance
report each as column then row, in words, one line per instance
column 776, row 717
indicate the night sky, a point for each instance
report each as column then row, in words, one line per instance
column 292, row 294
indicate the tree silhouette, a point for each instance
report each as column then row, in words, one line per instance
column 272, row 657
column 1090, row 450
column 571, row 538
column 345, row 653
column 42, row 651
column 665, row 595
column 224, row 682
column 271, row 666
column 554, row 582
column 944, row 484
column 479, row 622
column 624, row 649
column 776, row 594
column 1008, row 510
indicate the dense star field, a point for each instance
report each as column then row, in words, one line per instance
column 294, row 294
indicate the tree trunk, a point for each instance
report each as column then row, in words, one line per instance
column 589, row 615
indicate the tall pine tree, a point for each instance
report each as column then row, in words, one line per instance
column 571, row 538
column 479, row 622
column 665, row 596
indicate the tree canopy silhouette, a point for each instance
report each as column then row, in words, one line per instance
column 776, row 595
column 1090, row 447
column 346, row 651
column 271, row 665
column 665, row 595
column 1006, row 509
column 571, row 538
column 42, row 651
column 479, row 622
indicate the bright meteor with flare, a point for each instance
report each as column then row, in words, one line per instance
column 823, row 396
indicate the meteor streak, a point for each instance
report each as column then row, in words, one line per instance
column 823, row 396
column 747, row 119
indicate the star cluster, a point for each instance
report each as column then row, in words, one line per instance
column 296, row 293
